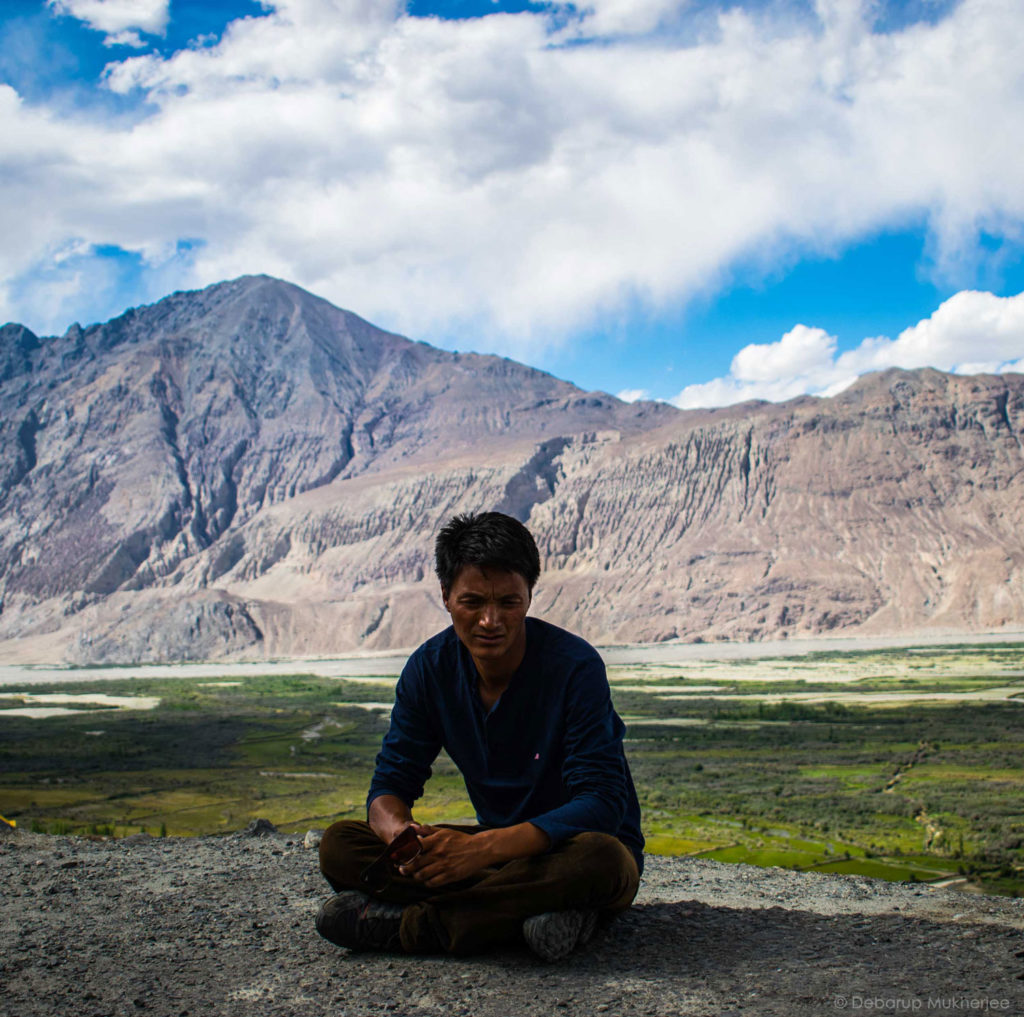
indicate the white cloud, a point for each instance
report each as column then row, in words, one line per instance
column 968, row 326
column 625, row 17
column 801, row 352
column 115, row 16
column 479, row 179
column 632, row 395
column 125, row 38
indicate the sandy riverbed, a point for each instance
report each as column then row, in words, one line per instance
column 383, row 667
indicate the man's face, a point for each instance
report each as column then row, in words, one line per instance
column 488, row 609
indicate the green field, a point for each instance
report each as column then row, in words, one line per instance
column 789, row 761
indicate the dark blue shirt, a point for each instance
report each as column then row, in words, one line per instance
column 548, row 752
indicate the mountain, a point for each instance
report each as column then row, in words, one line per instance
column 248, row 470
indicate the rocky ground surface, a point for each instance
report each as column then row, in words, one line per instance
column 224, row 925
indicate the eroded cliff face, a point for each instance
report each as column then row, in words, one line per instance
column 894, row 507
column 248, row 470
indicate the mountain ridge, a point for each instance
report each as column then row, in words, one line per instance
column 249, row 470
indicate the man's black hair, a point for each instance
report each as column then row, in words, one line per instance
column 486, row 540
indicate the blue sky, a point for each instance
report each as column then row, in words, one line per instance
column 694, row 201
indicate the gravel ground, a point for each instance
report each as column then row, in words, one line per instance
column 224, row 925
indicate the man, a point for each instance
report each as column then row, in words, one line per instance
column 524, row 711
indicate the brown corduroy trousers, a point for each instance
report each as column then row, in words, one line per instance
column 591, row 871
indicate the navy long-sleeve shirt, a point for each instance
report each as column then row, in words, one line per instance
column 549, row 751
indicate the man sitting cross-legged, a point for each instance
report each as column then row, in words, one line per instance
column 523, row 709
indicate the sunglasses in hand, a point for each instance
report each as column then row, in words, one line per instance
column 402, row 850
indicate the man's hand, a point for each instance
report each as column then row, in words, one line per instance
column 446, row 857
column 451, row 855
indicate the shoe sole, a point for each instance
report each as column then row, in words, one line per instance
column 553, row 936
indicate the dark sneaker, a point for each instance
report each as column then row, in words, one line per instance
column 359, row 922
column 556, row 934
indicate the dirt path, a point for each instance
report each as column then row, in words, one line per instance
column 224, row 926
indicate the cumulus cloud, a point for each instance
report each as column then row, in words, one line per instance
column 632, row 395
column 508, row 179
column 804, row 360
column 800, row 352
column 117, row 16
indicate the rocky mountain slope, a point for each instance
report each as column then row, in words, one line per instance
column 224, row 925
column 248, row 470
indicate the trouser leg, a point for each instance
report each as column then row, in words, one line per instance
column 592, row 871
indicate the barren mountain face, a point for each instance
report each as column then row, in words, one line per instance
column 247, row 470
